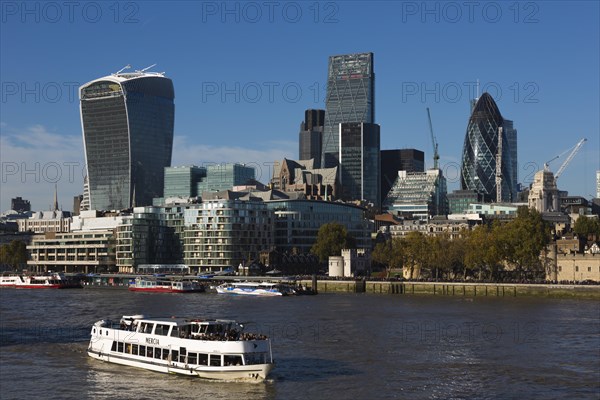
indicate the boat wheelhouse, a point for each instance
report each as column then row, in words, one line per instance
column 255, row 289
column 212, row 349
column 148, row 284
column 49, row 281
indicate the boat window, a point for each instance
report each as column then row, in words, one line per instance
column 149, row 351
column 174, row 355
column 128, row 348
column 254, row 358
column 114, row 346
column 142, row 351
column 157, row 352
column 202, row 359
column 119, row 347
column 161, row 329
column 215, row 360
column 232, row 360
column 94, row 330
column 192, row 358
column 165, row 354
column 134, row 349
column 175, row 331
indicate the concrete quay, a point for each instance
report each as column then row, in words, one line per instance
column 457, row 289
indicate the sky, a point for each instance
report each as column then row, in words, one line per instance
column 244, row 72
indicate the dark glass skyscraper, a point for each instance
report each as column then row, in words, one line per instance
column 311, row 135
column 127, row 121
column 350, row 98
column 360, row 162
column 392, row 161
column 478, row 171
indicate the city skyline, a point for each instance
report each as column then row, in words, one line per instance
column 255, row 66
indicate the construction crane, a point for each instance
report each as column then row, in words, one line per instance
column 436, row 156
column 562, row 168
column 499, row 168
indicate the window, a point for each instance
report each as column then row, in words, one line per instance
column 149, row 351
column 161, row 329
column 175, row 331
column 134, row 349
column 192, row 358
column 114, row 346
column 174, row 355
column 232, row 360
column 157, row 352
column 142, row 351
column 202, row 359
column 120, row 347
column 215, row 360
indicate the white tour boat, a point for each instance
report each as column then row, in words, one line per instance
column 213, row 349
column 255, row 289
column 49, row 281
column 149, row 284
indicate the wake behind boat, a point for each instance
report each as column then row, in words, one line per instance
column 163, row 285
column 49, row 281
column 212, row 349
column 255, row 289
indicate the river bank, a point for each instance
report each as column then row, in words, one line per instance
column 457, row 288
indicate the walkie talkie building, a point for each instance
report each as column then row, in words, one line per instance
column 127, row 121
column 350, row 98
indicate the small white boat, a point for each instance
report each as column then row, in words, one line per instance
column 255, row 289
column 212, row 349
column 148, row 284
column 49, row 281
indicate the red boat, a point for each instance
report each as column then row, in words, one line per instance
column 50, row 281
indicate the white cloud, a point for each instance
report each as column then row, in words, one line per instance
column 33, row 160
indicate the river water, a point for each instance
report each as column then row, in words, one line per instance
column 330, row 346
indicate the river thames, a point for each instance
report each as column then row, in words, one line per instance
column 330, row 346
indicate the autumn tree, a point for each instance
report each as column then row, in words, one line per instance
column 13, row 254
column 331, row 239
column 389, row 254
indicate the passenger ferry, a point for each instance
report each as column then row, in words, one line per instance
column 49, row 281
column 212, row 348
column 255, row 289
column 143, row 284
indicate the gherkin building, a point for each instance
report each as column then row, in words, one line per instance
column 478, row 170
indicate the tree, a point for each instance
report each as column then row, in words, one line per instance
column 13, row 254
column 331, row 239
column 521, row 241
column 482, row 251
column 415, row 252
column 390, row 254
column 585, row 226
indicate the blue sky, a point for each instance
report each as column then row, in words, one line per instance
column 244, row 72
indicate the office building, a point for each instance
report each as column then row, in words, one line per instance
column 418, row 195
column 183, row 181
column 459, row 200
column 480, row 152
column 350, row 98
column 311, row 136
column 360, row 164
column 392, row 161
column 127, row 121
column 19, row 204
column 224, row 177
column 297, row 223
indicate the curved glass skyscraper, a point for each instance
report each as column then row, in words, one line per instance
column 478, row 171
column 127, row 121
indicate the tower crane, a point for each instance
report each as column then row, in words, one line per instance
column 436, row 156
column 570, row 157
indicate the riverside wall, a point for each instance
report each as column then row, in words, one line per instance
column 458, row 289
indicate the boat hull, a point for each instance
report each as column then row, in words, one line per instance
column 164, row 290
column 256, row 372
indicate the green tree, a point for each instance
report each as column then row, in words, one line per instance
column 584, row 227
column 331, row 239
column 415, row 252
column 521, row 241
column 389, row 253
column 482, row 252
column 14, row 254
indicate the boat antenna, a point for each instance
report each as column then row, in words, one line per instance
column 122, row 69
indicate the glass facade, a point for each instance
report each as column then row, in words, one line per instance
column 360, row 162
column 297, row 223
column 225, row 177
column 127, row 122
column 478, row 170
column 350, row 98
column 182, row 181
column 459, row 200
column 418, row 194
column 392, row 161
